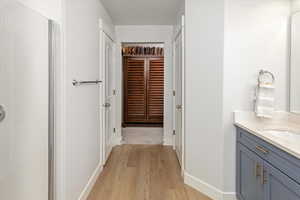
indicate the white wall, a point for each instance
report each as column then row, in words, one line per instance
column 295, row 6
column 295, row 61
column 82, row 131
column 204, row 79
column 256, row 37
column 180, row 13
column 148, row 34
column 48, row 8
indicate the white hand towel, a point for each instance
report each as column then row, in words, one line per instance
column 264, row 106
column 264, row 112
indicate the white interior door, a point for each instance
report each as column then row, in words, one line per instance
column 178, row 96
column 24, row 83
column 109, row 97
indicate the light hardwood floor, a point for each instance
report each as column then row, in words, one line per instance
column 143, row 172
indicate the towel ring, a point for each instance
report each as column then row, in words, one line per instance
column 262, row 73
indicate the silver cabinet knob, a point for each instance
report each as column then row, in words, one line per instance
column 2, row 113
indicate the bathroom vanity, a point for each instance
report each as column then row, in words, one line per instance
column 268, row 150
column 268, row 157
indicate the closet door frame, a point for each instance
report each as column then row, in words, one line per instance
column 166, row 40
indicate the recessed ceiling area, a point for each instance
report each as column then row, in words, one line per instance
column 143, row 12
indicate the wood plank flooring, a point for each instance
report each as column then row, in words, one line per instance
column 143, row 172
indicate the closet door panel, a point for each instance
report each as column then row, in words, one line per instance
column 155, row 87
column 135, row 90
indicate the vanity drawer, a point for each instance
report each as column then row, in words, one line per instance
column 254, row 143
column 280, row 159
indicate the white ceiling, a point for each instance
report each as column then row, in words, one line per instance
column 143, row 12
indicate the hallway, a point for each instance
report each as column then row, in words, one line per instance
column 143, row 172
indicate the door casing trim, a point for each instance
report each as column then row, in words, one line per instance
column 105, row 31
column 181, row 31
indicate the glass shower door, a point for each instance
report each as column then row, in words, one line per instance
column 24, row 103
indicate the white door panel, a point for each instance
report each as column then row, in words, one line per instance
column 24, row 95
column 178, row 95
column 108, row 95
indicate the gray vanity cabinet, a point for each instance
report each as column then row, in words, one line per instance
column 265, row 172
column 249, row 171
column 279, row 186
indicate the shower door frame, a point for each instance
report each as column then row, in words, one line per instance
column 51, row 137
column 56, row 117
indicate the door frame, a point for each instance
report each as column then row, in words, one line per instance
column 54, row 65
column 105, row 31
column 180, row 30
column 122, row 84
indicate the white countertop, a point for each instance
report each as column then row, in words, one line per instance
column 281, row 121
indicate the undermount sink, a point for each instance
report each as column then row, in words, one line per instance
column 282, row 133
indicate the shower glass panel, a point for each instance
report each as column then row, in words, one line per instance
column 24, row 100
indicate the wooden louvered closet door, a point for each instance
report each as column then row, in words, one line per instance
column 144, row 90
column 155, row 89
column 135, row 89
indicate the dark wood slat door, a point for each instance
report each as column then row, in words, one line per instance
column 135, row 90
column 144, row 89
column 155, row 92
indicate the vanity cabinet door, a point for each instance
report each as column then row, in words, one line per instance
column 279, row 186
column 249, row 175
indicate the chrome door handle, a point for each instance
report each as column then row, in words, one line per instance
column 2, row 113
column 107, row 105
column 179, row 107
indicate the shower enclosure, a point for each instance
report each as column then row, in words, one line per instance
column 26, row 105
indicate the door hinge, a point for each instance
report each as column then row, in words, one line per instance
column 114, row 92
column 174, row 93
column 174, row 132
column 114, row 130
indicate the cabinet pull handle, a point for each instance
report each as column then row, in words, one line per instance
column 257, row 170
column 261, row 149
column 263, row 177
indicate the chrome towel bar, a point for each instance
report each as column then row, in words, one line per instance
column 78, row 83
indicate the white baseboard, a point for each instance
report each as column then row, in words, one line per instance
column 229, row 196
column 168, row 139
column 208, row 190
column 116, row 141
column 88, row 188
